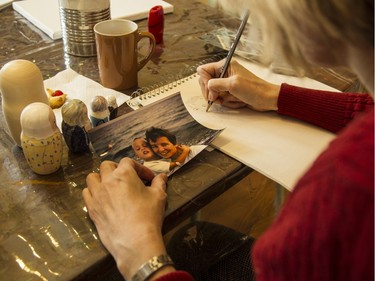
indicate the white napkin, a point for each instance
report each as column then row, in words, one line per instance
column 79, row 87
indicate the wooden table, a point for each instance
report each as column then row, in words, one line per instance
column 45, row 232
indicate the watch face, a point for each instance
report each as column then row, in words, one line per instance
column 155, row 264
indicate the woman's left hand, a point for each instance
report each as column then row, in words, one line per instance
column 127, row 214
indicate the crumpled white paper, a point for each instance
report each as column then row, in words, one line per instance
column 77, row 86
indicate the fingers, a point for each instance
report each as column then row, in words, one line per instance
column 143, row 172
column 86, row 194
column 206, row 73
column 219, row 85
column 87, row 197
column 107, row 167
column 160, row 181
column 127, row 170
column 233, row 104
column 207, row 92
column 212, row 88
column 93, row 179
column 203, row 85
column 210, row 70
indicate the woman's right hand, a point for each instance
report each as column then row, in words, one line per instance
column 240, row 88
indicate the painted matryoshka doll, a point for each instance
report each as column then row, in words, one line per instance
column 21, row 83
column 99, row 111
column 112, row 106
column 41, row 139
column 75, row 125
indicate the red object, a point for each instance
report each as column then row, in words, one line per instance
column 57, row 93
column 156, row 23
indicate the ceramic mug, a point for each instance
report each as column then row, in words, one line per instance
column 117, row 50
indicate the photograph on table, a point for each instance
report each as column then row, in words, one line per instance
column 163, row 136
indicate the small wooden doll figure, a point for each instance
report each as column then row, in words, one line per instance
column 99, row 111
column 75, row 125
column 112, row 106
column 41, row 139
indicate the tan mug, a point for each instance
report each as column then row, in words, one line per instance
column 117, row 50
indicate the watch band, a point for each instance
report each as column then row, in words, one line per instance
column 151, row 266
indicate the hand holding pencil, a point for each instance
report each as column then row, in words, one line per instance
column 234, row 86
column 231, row 51
column 240, row 87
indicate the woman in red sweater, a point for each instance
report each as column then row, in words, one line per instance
column 325, row 230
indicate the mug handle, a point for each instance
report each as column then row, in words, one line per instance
column 146, row 34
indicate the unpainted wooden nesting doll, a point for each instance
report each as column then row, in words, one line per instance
column 75, row 125
column 112, row 106
column 41, row 139
column 99, row 111
column 21, row 83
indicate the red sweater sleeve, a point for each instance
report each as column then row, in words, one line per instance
column 176, row 276
column 325, row 230
column 329, row 110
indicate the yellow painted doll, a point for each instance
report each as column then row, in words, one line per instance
column 41, row 139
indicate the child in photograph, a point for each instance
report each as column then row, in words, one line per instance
column 164, row 144
column 154, row 162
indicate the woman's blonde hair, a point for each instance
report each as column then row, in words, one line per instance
column 334, row 20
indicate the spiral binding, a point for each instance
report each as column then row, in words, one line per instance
column 171, row 82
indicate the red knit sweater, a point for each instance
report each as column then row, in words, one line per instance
column 325, row 230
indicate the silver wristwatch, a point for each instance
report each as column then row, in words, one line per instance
column 151, row 266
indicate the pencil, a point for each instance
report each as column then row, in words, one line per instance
column 231, row 51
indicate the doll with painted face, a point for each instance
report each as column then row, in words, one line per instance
column 75, row 125
column 99, row 111
column 112, row 106
column 41, row 139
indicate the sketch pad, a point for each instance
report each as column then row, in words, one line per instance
column 45, row 15
column 279, row 147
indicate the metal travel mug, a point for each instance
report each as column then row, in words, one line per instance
column 78, row 18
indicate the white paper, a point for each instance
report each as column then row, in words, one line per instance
column 79, row 87
column 45, row 15
column 5, row 3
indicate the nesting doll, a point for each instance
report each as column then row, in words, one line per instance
column 41, row 139
column 112, row 106
column 75, row 125
column 21, row 83
column 99, row 111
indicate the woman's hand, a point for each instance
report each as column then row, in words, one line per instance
column 127, row 214
column 239, row 89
